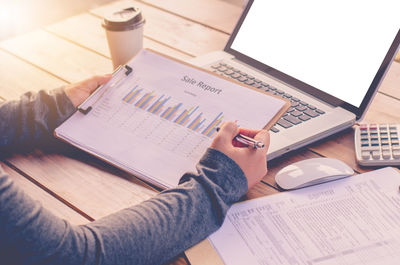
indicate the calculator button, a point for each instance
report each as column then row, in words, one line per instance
column 370, row 148
column 365, row 144
column 376, row 154
column 392, row 127
column 386, row 148
column 385, row 142
column 374, row 143
column 396, row 154
column 383, row 127
column 365, row 155
column 386, row 155
column 363, row 127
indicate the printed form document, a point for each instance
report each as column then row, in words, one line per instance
column 351, row 221
column 158, row 120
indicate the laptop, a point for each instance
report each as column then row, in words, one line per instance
column 327, row 58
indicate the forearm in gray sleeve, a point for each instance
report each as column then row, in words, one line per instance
column 149, row 233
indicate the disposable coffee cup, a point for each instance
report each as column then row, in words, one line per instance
column 124, row 30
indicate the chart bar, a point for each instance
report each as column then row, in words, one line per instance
column 187, row 117
column 129, row 95
column 212, row 124
column 180, row 117
column 142, row 101
column 196, row 121
column 173, row 111
column 155, row 104
column 158, row 108
column 166, row 112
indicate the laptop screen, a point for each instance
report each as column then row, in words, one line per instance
column 336, row 47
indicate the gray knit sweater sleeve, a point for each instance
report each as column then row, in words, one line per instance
column 149, row 233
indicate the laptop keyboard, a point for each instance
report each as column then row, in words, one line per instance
column 299, row 112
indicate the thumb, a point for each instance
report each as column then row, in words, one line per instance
column 104, row 79
column 225, row 135
column 99, row 80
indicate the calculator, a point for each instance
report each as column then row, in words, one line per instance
column 377, row 144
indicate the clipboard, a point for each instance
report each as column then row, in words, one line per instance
column 120, row 80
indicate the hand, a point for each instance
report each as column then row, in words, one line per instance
column 253, row 162
column 78, row 92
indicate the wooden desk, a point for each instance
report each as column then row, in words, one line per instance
column 80, row 188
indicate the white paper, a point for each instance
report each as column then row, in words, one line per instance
column 350, row 221
column 141, row 139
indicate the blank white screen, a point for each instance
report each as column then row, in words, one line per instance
column 335, row 46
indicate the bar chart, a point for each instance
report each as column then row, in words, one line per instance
column 190, row 117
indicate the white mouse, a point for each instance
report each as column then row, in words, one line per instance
column 311, row 172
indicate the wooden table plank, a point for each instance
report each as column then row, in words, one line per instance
column 85, row 182
column 205, row 11
column 49, row 202
column 83, row 29
column 259, row 190
column 185, row 35
column 63, row 59
column 86, row 31
column 19, row 77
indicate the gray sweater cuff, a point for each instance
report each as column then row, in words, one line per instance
column 227, row 177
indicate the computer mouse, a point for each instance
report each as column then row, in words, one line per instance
column 311, row 172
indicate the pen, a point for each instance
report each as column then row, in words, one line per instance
column 247, row 140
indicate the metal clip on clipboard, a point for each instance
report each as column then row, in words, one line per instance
column 112, row 83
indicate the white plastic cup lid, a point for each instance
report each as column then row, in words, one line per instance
column 123, row 20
